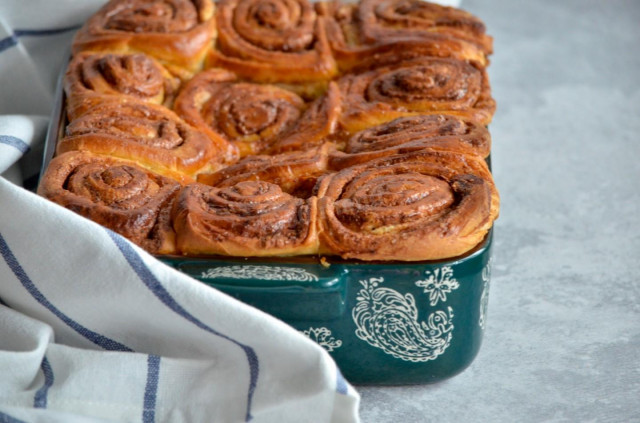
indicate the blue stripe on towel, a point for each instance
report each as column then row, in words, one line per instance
column 5, row 418
column 8, row 42
column 27, row 283
column 151, row 390
column 16, row 143
column 40, row 400
column 341, row 383
column 163, row 295
column 44, row 32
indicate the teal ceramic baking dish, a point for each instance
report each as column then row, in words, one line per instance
column 384, row 323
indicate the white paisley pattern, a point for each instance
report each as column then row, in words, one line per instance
column 387, row 320
column 484, row 299
column 438, row 284
column 322, row 336
column 269, row 273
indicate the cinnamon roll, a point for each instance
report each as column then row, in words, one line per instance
column 118, row 194
column 413, row 133
column 92, row 78
column 273, row 41
column 176, row 32
column 375, row 32
column 294, row 172
column 248, row 115
column 420, row 86
column 418, row 206
column 251, row 218
column 149, row 134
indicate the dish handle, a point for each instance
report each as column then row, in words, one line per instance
column 291, row 291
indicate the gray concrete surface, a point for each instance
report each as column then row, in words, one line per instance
column 563, row 337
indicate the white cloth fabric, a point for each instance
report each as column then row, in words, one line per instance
column 92, row 328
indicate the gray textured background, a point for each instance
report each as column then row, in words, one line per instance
column 563, row 337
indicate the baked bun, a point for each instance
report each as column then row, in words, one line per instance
column 92, row 78
column 420, row 86
column 426, row 205
column 378, row 32
column 178, row 33
column 248, row 115
column 117, row 194
column 250, row 218
column 274, row 41
column 151, row 135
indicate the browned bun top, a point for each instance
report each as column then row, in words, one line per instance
column 420, row 86
column 425, row 205
column 95, row 77
column 403, row 19
column 248, row 115
column 273, row 41
column 177, row 32
column 118, row 194
column 150, row 134
column 254, row 218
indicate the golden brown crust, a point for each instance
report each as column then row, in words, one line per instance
column 92, row 78
column 413, row 133
column 179, row 33
column 273, row 41
column 118, row 194
column 251, row 218
column 248, row 115
column 149, row 134
column 378, row 32
column 419, row 86
column 294, row 172
column 419, row 206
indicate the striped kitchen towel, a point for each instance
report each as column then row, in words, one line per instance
column 94, row 329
